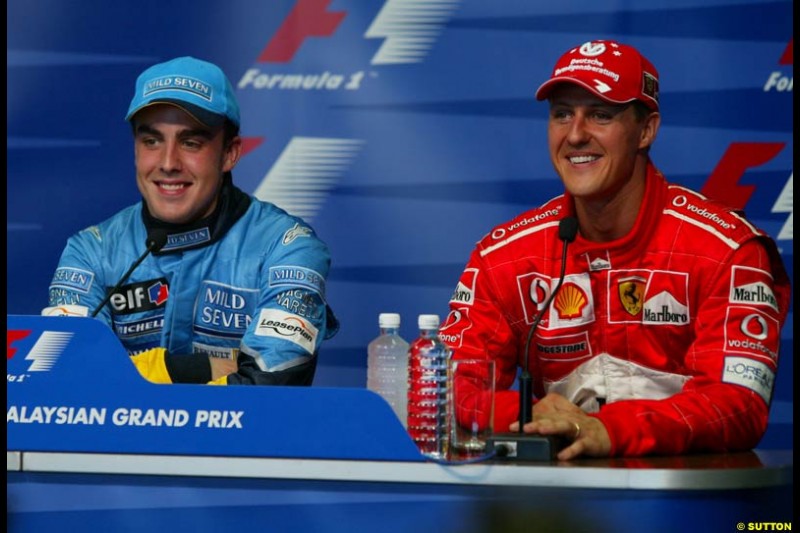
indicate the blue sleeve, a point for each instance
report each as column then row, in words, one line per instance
column 78, row 280
column 292, row 317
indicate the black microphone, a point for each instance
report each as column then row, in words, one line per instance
column 521, row 445
column 155, row 242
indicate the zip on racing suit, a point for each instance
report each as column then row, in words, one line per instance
column 669, row 336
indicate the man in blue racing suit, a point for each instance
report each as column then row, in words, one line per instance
column 236, row 294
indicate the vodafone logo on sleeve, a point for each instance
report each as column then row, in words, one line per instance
column 752, row 332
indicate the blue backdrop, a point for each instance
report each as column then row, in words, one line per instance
column 401, row 131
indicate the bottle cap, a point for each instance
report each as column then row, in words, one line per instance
column 428, row 321
column 389, row 320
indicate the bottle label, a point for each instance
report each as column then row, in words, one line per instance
column 427, row 396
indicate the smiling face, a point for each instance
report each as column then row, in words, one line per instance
column 180, row 163
column 598, row 149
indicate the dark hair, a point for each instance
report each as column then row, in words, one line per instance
column 641, row 110
column 231, row 131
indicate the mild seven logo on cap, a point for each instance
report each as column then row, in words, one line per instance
column 178, row 83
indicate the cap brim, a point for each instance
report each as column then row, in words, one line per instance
column 200, row 115
column 544, row 90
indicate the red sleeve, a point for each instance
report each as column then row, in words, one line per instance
column 476, row 328
column 731, row 365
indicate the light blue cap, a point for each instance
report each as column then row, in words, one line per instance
column 198, row 87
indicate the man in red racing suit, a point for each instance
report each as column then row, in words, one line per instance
column 661, row 340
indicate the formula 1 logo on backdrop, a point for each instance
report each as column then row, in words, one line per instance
column 723, row 183
column 41, row 357
column 308, row 18
column 409, row 30
column 778, row 81
column 305, row 173
column 309, row 167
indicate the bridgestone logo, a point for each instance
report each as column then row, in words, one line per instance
column 572, row 348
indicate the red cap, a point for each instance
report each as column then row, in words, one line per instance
column 615, row 72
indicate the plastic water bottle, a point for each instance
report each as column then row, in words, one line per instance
column 427, row 391
column 387, row 365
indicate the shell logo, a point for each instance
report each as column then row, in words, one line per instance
column 570, row 301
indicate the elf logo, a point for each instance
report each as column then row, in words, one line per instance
column 139, row 297
column 42, row 356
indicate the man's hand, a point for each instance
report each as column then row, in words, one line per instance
column 222, row 367
column 555, row 415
